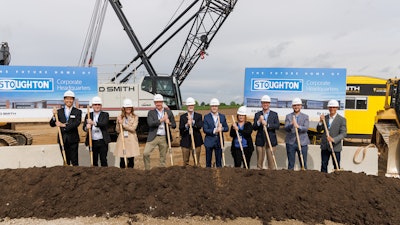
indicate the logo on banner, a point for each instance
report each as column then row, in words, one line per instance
column 26, row 84
column 277, row 85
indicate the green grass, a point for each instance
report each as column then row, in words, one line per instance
column 206, row 107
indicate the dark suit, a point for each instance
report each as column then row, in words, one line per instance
column 245, row 133
column 212, row 140
column 338, row 131
column 100, row 147
column 186, row 140
column 153, row 140
column 153, row 122
column 261, row 140
column 69, row 133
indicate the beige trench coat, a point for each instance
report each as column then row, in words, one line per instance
column 131, row 142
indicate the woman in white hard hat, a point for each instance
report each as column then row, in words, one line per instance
column 337, row 127
column 98, row 123
column 69, row 119
column 187, row 120
column 244, row 129
column 214, row 123
column 270, row 119
column 300, row 121
column 129, row 122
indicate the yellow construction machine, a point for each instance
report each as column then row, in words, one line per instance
column 386, row 133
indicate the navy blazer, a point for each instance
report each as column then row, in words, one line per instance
column 70, row 132
column 337, row 130
column 212, row 139
column 102, row 123
column 186, row 140
column 303, row 122
column 272, row 125
column 153, row 122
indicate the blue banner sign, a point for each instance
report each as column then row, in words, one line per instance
column 23, row 88
column 314, row 86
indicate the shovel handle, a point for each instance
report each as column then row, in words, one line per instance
column 299, row 146
column 123, row 145
column 169, row 142
column 330, row 144
column 221, row 143
column 270, row 145
column 61, row 140
column 240, row 144
column 90, row 138
column 193, row 144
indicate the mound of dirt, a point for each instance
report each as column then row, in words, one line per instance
column 308, row 196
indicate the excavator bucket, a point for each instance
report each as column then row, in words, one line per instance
column 393, row 164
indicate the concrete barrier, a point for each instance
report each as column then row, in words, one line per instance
column 26, row 156
column 49, row 155
column 369, row 165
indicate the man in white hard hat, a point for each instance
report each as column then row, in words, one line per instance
column 69, row 119
column 157, row 120
column 337, row 128
column 187, row 120
column 213, row 126
column 98, row 123
column 268, row 118
column 300, row 121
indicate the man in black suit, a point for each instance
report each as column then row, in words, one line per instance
column 157, row 120
column 269, row 118
column 69, row 120
column 196, row 120
column 98, row 122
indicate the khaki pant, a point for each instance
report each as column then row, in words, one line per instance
column 162, row 144
column 261, row 157
column 186, row 152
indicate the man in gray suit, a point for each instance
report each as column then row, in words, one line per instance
column 300, row 121
column 157, row 120
column 337, row 128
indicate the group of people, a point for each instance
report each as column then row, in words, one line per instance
column 214, row 124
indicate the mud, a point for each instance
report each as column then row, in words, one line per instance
column 227, row 193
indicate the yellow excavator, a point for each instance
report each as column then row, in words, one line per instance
column 8, row 136
column 386, row 133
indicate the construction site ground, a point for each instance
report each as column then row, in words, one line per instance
column 191, row 195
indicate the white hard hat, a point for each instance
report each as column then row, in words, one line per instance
column 69, row 94
column 214, row 101
column 96, row 100
column 242, row 110
column 158, row 98
column 333, row 103
column 190, row 101
column 127, row 103
column 297, row 101
column 265, row 98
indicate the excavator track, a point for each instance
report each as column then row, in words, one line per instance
column 21, row 138
column 6, row 140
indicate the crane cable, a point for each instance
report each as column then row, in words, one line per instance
column 364, row 151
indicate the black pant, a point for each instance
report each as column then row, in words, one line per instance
column 100, row 148
column 238, row 157
column 71, row 153
column 131, row 162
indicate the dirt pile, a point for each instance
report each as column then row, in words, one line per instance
column 308, row 196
